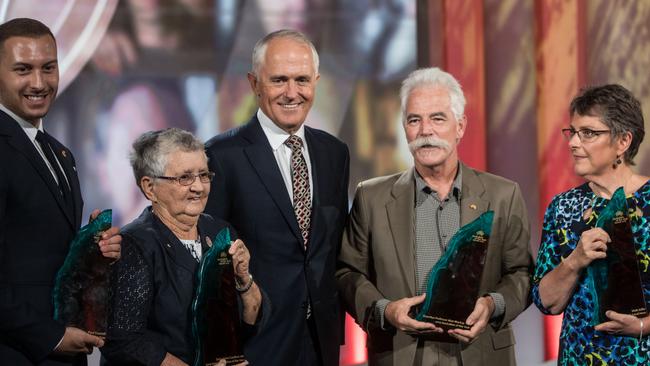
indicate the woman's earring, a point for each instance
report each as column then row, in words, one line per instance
column 617, row 162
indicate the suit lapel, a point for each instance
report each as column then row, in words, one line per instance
column 401, row 222
column 64, row 156
column 400, row 211
column 19, row 141
column 472, row 205
column 318, row 166
column 261, row 158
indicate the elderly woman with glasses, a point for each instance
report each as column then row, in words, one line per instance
column 153, row 283
column 604, row 135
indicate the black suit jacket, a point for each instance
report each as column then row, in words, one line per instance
column 152, row 291
column 35, row 231
column 248, row 191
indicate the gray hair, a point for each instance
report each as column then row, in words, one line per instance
column 433, row 76
column 151, row 150
column 259, row 51
column 617, row 108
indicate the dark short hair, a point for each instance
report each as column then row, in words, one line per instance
column 617, row 108
column 23, row 27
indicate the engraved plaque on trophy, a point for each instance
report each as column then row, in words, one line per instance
column 453, row 284
column 80, row 293
column 216, row 324
column 615, row 280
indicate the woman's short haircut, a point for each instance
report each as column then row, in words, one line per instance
column 617, row 108
column 151, row 151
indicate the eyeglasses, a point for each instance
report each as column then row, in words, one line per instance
column 188, row 179
column 584, row 134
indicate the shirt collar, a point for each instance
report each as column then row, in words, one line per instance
column 422, row 187
column 29, row 128
column 275, row 134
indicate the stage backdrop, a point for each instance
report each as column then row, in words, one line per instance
column 133, row 66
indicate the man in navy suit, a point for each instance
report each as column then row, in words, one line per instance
column 283, row 186
column 40, row 204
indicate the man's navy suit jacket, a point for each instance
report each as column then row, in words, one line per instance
column 248, row 191
column 35, row 232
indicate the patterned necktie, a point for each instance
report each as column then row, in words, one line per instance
column 301, row 191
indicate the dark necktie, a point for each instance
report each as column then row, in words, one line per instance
column 44, row 140
column 301, row 191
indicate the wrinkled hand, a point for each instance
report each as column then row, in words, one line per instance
column 240, row 260
column 171, row 360
column 76, row 341
column 592, row 246
column 477, row 320
column 397, row 314
column 622, row 324
column 111, row 242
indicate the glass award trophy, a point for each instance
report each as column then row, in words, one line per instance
column 80, row 293
column 216, row 325
column 615, row 281
column 453, row 284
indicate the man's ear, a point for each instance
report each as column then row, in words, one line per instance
column 460, row 127
column 146, row 185
column 252, row 80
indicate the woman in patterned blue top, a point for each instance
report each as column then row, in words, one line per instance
column 604, row 136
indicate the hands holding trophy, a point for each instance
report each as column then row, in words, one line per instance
column 177, row 296
column 80, row 293
column 222, row 274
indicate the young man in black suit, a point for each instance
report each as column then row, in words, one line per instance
column 40, row 204
column 283, row 186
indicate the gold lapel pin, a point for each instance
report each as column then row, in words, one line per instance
column 65, row 155
column 473, row 206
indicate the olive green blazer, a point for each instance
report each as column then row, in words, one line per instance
column 377, row 260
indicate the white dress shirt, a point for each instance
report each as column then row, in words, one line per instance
column 31, row 132
column 282, row 152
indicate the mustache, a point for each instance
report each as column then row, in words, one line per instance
column 428, row 141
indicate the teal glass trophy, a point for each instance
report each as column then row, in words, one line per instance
column 453, row 284
column 615, row 281
column 216, row 325
column 80, row 293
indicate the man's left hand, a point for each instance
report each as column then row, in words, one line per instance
column 111, row 242
column 478, row 320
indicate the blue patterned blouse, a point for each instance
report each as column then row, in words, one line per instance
column 580, row 344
